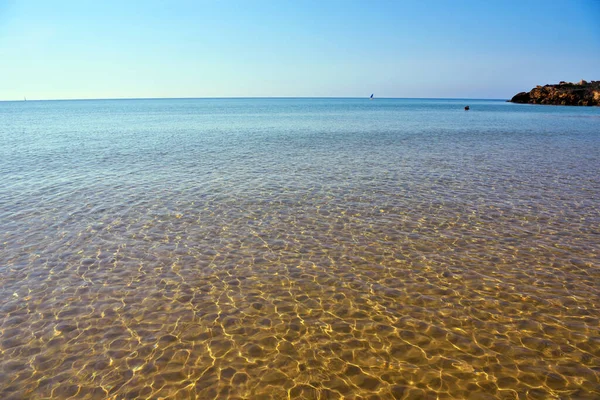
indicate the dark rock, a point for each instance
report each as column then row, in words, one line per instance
column 522, row 97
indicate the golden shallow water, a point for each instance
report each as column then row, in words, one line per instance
column 306, row 299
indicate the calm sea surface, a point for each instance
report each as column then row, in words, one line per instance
column 299, row 248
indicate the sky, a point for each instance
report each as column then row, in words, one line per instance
column 80, row 49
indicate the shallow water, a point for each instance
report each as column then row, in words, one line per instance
column 299, row 248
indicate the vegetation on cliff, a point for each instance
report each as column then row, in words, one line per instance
column 565, row 93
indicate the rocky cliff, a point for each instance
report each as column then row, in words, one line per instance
column 565, row 93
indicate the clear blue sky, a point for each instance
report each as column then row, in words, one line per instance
column 53, row 49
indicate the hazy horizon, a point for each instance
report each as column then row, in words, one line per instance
column 258, row 97
column 435, row 49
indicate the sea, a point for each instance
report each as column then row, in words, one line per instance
column 299, row 248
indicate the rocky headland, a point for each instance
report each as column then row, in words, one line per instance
column 565, row 93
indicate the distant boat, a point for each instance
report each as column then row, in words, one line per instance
column 371, row 97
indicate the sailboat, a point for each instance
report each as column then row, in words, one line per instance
column 371, row 98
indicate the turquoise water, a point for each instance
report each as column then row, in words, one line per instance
column 301, row 248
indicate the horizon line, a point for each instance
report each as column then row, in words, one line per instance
column 252, row 97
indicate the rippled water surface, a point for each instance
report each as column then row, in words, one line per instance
column 299, row 248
